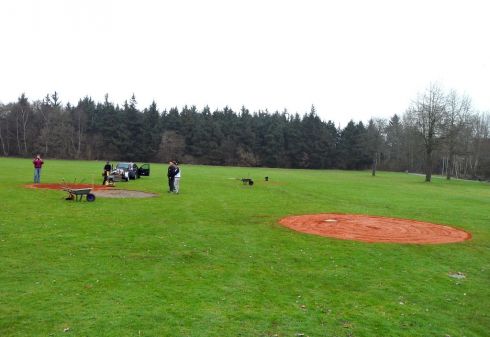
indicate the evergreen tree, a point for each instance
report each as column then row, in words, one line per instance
column 394, row 132
column 133, row 134
column 319, row 140
column 352, row 147
column 152, row 132
column 295, row 146
column 273, row 145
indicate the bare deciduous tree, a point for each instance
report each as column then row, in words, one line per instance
column 480, row 138
column 3, row 126
column 428, row 113
column 456, row 114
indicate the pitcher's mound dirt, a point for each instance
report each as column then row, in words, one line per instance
column 367, row 228
column 99, row 190
column 68, row 185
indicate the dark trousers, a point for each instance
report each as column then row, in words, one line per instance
column 171, row 184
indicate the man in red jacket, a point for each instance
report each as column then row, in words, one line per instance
column 38, row 164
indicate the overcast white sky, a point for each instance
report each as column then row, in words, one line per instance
column 351, row 59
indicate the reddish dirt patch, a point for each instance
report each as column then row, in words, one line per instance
column 98, row 190
column 68, row 185
column 123, row 194
column 367, row 228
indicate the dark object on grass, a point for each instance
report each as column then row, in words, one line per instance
column 248, row 181
column 266, row 178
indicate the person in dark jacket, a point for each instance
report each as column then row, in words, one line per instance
column 171, row 171
column 107, row 171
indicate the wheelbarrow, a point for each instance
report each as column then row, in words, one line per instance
column 78, row 193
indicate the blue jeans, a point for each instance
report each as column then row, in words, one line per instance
column 37, row 175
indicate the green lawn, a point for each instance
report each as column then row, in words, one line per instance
column 212, row 261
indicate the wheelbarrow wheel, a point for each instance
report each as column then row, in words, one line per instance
column 90, row 197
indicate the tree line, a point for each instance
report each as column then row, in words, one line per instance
column 439, row 132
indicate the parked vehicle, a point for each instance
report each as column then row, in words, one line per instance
column 144, row 170
column 130, row 170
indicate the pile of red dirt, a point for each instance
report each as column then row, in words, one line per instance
column 68, row 185
column 367, row 228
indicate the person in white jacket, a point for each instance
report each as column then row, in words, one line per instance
column 177, row 177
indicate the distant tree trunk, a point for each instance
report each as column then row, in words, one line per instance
column 450, row 161
column 24, row 116
column 475, row 168
column 3, row 144
column 375, row 141
column 5, row 153
column 79, row 134
column 7, row 137
column 482, row 130
column 410, row 157
column 79, row 143
column 375, row 161
column 428, row 164
column 17, row 135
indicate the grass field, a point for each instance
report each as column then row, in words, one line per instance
column 212, row 261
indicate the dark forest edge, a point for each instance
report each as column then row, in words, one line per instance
column 439, row 132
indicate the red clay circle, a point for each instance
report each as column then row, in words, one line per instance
column 68, row 185
column 368, row 228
